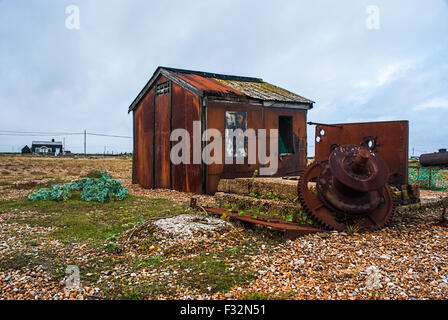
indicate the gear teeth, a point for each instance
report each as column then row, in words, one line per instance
column 302, row 201
column 303, row 187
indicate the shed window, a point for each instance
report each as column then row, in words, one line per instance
column 163, row 88
column 236, row 144
column 285, row 136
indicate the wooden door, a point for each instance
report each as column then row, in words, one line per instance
column 162, row 140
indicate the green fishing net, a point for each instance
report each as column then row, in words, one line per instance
column 429, row 178
column 102, row 189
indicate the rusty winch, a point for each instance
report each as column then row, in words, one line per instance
column 350, row 188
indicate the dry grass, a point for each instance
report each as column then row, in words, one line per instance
column 20, row 175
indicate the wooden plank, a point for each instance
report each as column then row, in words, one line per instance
column 185, row 106
column 143, row 141
column 162, row 139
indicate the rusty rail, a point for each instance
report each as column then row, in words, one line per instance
column 290, row 230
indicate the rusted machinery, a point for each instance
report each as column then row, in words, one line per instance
column 388, row 139
column 290, row 230
column 436, row 159
column 348, row 189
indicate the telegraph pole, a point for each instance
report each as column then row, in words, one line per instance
column 85, row 140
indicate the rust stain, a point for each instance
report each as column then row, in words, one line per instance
column 388, row 139
column 290, row 230
column 208, row 85
column 248, row 89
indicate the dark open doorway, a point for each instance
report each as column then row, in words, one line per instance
column 285, row 137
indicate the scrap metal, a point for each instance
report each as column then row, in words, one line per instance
column 388, row 139
column 436, row 159
column 350, row 189
column 290, row 230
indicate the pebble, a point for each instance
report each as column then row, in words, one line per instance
column 313, row 267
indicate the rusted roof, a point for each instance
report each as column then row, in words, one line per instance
column 264, row 91
column 227, row 86
column 208, row 85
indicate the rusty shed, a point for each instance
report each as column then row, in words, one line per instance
column 174, row 98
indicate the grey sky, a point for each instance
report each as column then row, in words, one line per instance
column 55, row 79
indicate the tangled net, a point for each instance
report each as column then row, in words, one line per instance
column 102, row 189
column 429, row 178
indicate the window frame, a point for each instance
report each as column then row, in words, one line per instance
column 244, row 129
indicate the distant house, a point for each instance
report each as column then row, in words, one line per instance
column 26, row 149
column 47, row 147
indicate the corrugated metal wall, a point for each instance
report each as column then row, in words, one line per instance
column 143, row 142
column 156, row 117
column 154, row 120
column 185, row 106
column 258, row 117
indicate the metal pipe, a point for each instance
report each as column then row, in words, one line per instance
column 324, row 124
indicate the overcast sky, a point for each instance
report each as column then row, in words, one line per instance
column 54, row 79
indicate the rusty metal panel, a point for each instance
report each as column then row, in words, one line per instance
column 216, row 111
column 143, row 141
column 225, row 85
column 389, row 139
column 290, row 230
column 185, row 110
column 162, row 163
column 258, row 117
column 208, row 85
column 297, row 160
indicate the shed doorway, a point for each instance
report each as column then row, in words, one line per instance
column 285, row 135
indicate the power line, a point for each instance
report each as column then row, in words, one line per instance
column 47, row 134
column 42, row 134
column 108, row 135
column 38, row 132
column 31, row 135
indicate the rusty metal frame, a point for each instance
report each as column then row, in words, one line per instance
column 290, row 230
column 391, row 137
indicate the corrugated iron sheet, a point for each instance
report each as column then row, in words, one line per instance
column 264, row 91
column 208, row 85
column 224, row 85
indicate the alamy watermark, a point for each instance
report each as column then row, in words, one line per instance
column 373, row 17
column 73, row 281
column 373, row 281
column 73, row 21
column 239, row 145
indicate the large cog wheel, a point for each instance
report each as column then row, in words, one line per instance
column 331, row 218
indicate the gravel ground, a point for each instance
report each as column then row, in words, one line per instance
column 407, row 260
